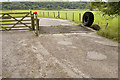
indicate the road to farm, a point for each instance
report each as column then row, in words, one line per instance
column 66, row 55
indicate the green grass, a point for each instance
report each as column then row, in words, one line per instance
column 112, row 29
column 111, row 32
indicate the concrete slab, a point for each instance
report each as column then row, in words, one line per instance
column 57, row 56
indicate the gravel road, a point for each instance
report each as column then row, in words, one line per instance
column 64, row 55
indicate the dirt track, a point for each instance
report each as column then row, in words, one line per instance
column 73, row 55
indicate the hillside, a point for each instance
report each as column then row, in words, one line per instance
column 43, row 5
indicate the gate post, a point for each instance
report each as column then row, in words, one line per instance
column 37, row 26
column 32, row 22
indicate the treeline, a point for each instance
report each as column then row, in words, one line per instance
column 43, row 5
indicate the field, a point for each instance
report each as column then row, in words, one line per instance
column 110, row 32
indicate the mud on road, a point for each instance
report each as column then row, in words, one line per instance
column 66, row 55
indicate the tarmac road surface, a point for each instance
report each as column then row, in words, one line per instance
column 65, row 55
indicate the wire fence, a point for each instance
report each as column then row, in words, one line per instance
column 72, row 16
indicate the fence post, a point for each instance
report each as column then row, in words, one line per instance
column 106, row 26
column 54, row 14
column 58, row 14
column 80, row 17
column 43, row 13
column 48, row 14
column 73, row 17
column 66, row 15
column 32, row 22
column 40, row 13
column 37, row 26
column 105, row 29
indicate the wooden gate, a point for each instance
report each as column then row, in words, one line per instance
column 17, row 21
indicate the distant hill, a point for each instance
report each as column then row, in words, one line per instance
column 43, row 5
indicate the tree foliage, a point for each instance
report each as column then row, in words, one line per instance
column 109, row 8
column 44, row 5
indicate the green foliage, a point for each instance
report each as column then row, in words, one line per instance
column 109, row 8
column 43, row 5
column 109, row 14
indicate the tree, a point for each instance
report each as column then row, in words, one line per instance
column 109, row 8
column 89, row 6
column 43, row 5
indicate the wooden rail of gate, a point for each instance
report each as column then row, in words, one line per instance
column 8, row 19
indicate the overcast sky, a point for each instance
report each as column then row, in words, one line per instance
column 54, row 0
